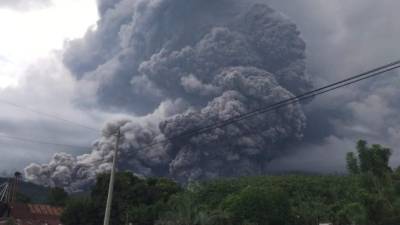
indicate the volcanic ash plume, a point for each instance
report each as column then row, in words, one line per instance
column 179, row 65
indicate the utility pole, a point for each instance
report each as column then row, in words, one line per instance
column 112, row 177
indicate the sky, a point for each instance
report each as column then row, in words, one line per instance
column 32, row 33
column 32, row 75
column 343, row 38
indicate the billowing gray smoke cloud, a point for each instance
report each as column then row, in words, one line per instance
column 178, row 65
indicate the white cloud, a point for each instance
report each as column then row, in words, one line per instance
column 47, row 87
column 24, row 4
column 27, row 36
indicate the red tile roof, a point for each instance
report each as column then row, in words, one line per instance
column 35, row 214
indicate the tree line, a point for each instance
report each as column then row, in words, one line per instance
column 368, row 195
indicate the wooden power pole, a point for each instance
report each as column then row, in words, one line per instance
column 112, row 178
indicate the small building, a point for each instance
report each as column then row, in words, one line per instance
column 25, row 214
column 35, row 214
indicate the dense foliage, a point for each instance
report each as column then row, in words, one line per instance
column 57, row 197
column 369, row 195
column 137, row 200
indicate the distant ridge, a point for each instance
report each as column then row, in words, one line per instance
column 37, row 193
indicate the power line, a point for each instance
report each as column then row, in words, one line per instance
column 41, row 142
column 311, row 94
column 381, row 69
column 52, row 116
column 294, row 100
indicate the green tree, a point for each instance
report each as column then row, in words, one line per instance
column 57, row 196
column 370, row 159
column 184, row 210
column 135, row 200
column 352, row 163
column 378, row 182
column 81, row 211
column 353, row 213
column 259, row 205
column 22, row 198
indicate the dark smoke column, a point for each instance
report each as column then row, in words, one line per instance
column 179, row 65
